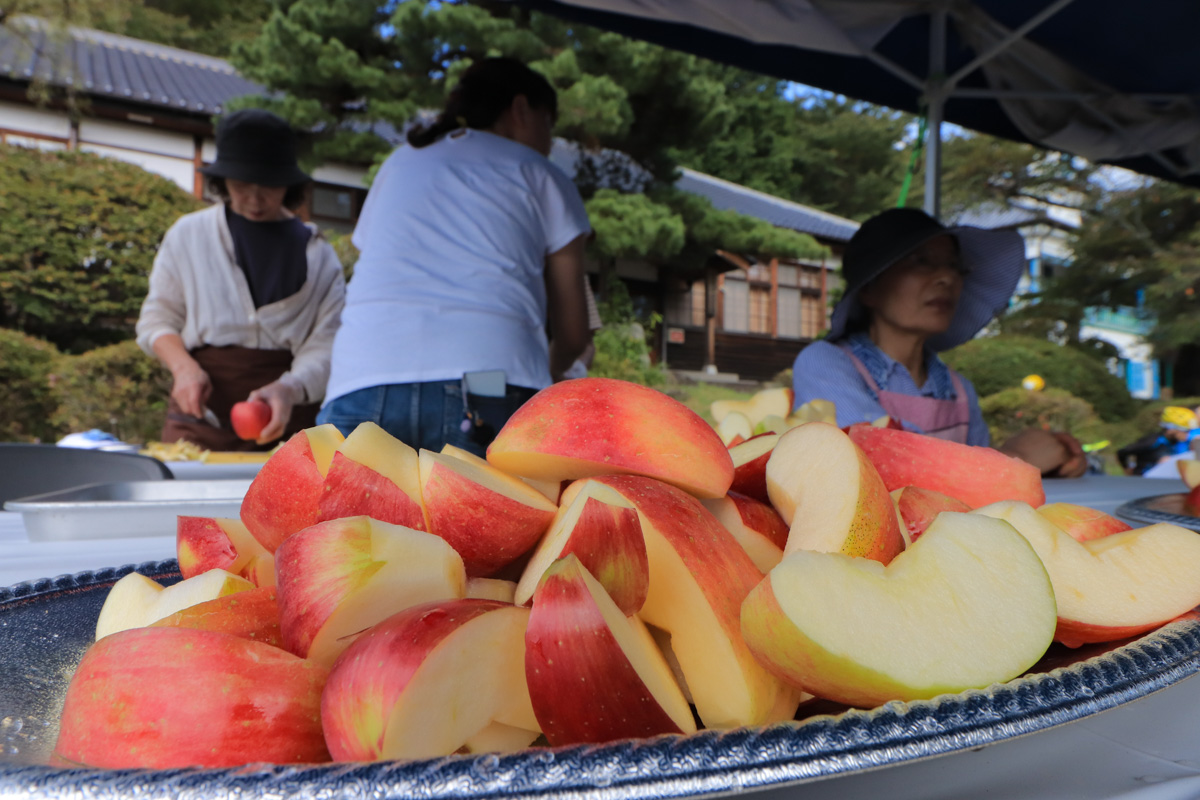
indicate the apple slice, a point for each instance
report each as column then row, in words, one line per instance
column 827, row 490
column 252, row 614
column 497, row 737
column 135, row 601
column 917, row 509
column 813, row 411
column 204, row 543
column 173, row 697
column 425, row 681
column 1081, row 522
column 595, row 675
column 968, row 605
column 603, row 530
column 340, row 577
column 374, row 474
column 285, row 495
column 975, row 475
column 585, row 427
column 775, row 401
column 1118, row 586
column 502, row 591
column 490, row 517
column 750, row 465
column 734, row 428
column 551, row 489
column 699, row 576
column 757, row 527
column 1189, row 471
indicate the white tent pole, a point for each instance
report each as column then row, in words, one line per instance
column 935, row 97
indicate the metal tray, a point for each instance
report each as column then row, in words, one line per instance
column 126, row 508
column 1157, row 508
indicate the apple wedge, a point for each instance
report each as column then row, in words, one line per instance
column 813, row 411
column 1081, row 522
column 1118, row 586
column 204, row 543
column 968, row 605
column 551, row 489
column 975, row 475
column 598, row 426
column 603, row 530
column 338, row 578
column 490, row 517
column 1189, row 471
column 252, row 614
column 699, row 576
column 285, row 495
column 374, row 474
column 917, row 508
column 136, row 601
column 595, row 675
column 425, row 681
column 734, row 428
column 830, row 494
column 173, row 697
column 497, row 589
column 750, row 465
column 757, row 526
column 775, row 401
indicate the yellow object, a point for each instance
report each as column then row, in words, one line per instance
column 1033, row 383
column 236, row 457
column 1179, row 418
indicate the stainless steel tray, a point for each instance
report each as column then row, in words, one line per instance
column 127, row 508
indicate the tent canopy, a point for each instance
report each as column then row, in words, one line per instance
column 1113, row 81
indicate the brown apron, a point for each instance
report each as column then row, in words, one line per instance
column 234, row 372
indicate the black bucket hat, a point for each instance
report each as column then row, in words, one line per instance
column 256, row 146
column 993, row 260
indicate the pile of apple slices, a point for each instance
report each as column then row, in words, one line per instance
column 610, row 570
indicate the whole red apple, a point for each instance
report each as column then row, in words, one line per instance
column 249, row 417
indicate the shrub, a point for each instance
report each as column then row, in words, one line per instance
column 1014, row 410
column 76, row 250
column 27, row 394
column 997, row 363
column 117, row 388
column 622, row 349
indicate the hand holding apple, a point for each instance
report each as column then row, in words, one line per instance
column 248, row 418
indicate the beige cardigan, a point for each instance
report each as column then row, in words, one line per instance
column 198, row 291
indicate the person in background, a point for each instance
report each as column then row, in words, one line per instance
column 913, row 289
column 244, row 297
column 1178, row 434
column 470, row 241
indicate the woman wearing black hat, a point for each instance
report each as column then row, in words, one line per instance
column 244, row 297
column 915, row 288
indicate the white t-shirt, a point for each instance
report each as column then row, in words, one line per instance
column 453, row 240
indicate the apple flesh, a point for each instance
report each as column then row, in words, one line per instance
column 595, row 675
column 490, row 517
column 170, row 697
column 975, row 475
column 603, row 530
column 249, row 417
column 374, row 474
column 426, row 680
column 285, row 495
column 757, row 526
column 830, row 494
column 1081, row 522
column 502, row 591
column 338, row 578
column 1189, row 471
column 968, row 605
column 551, row 489
column 135, row 601
column 204, row 543
column 750, row 466
column 917, row 509
column 1114, row 587
column 252, row 614
column 585, row 427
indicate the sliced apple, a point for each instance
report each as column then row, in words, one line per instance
column 498, row 589
column 758, row 528
column 1121, row 585
column 340, row 577
column 1189, row 471
column 428, row 680
column 551, row 489
column 968, row 605
column 136, row 601
column 374, row 474
column 204, row 543
column 252, row 614
column 1081, row 522
column 813, row 411
column 604, row 531
column 497, row 737
column 734, row 428
column 750, row 466
column 917, row 509
column 490, row 517
column 597, row 426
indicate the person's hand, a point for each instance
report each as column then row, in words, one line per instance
column 1055, row 454
column 191, row 389
column 281, row 398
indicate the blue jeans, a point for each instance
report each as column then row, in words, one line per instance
column 425, row 415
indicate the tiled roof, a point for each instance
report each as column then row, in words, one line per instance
column 119, row 67
column 725, row 195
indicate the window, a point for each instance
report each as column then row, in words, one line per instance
column 333, row 202
column 737, row 305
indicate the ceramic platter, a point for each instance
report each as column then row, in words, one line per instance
column 45, row 626
column 1159, row 508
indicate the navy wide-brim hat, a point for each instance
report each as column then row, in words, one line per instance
column 993, row 260
column 256, row 146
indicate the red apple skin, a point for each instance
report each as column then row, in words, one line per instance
column 252, row 614
column 750, row 478
column 358, row 699
column 1073, row 633
column 285, row 495
column 353, row 489
column 166, row 697
column 977, row 476
column 583, row 687
column 761, row 517
column 249, row 417
column 202, row 544
column 919, row 507
column 1081, row 522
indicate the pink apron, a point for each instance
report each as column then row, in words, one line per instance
column 944, row 419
